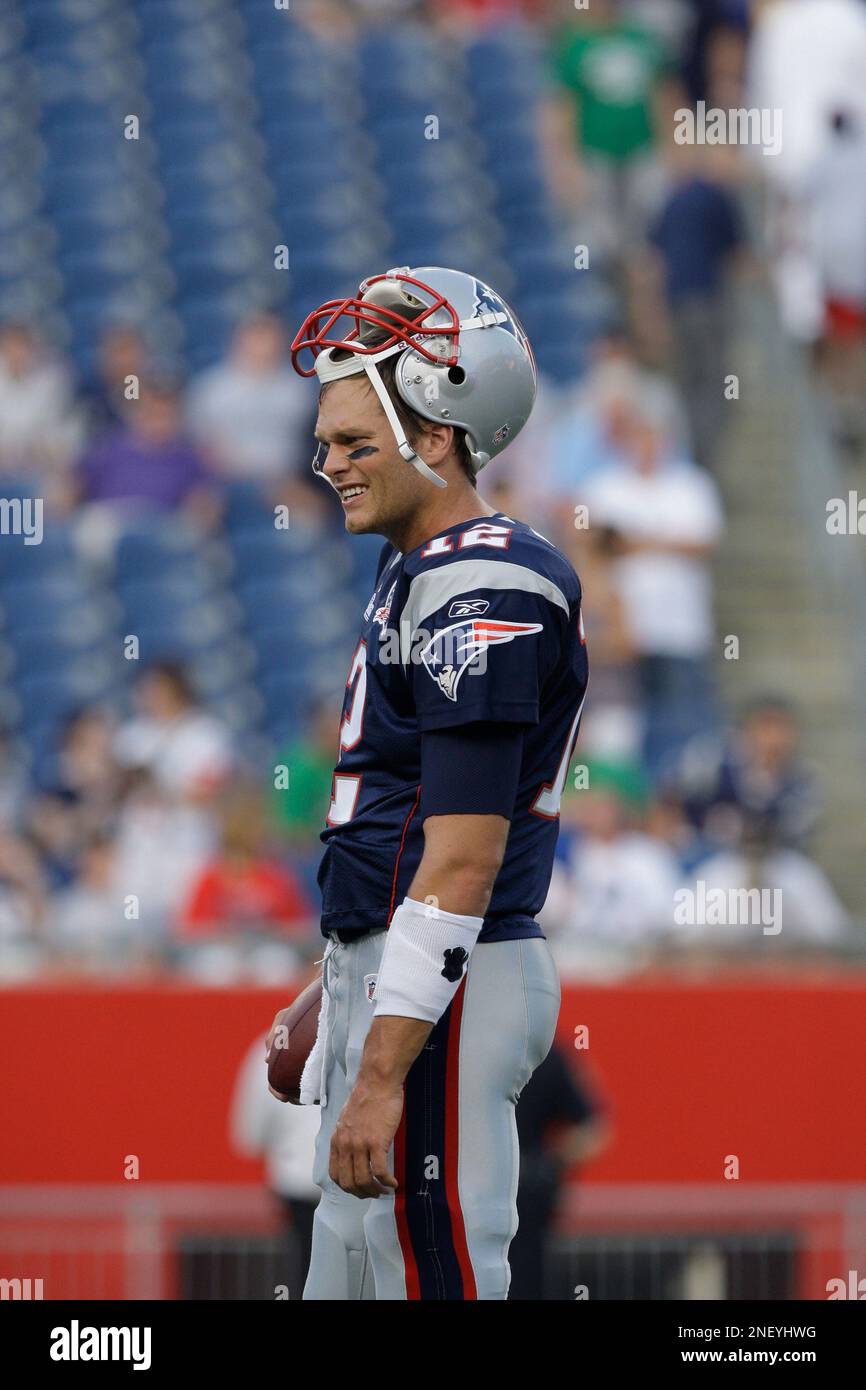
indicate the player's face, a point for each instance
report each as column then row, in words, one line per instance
column 377, row 488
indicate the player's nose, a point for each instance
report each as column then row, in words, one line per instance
column 336, row 463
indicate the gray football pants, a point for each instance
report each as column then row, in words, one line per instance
column 444, row 1235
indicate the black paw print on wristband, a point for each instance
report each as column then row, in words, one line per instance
column 455, row 959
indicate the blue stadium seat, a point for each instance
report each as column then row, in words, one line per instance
column 147, row 600
column 54, row 695
column 245, row 508
column 280, row 558
column 155, row 548
column 293, row 634
column 197, row 628
column 54, row 555
column 50, row 652
column 50, row 619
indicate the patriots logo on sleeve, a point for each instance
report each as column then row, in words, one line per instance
column 449, row 652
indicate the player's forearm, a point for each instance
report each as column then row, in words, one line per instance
column 391, row 1047
column 465, row 889
column 462, row 856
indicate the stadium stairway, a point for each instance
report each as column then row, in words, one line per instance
column 791, row 593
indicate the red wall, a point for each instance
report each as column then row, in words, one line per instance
column 770, row 1071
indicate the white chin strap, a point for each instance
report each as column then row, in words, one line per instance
column 335, row 371
column 405, row 448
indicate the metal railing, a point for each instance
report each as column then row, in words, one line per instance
column 613, row 1241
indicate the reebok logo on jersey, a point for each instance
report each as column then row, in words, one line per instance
column 448, row 653
column 468, row 607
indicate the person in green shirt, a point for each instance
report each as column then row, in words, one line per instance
column 612, row 97
column 307, row 765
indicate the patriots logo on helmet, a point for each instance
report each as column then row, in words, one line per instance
column 488, row 301
column 449, row 652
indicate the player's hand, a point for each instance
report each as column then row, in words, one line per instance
column 362, row 1138
column 279, row 1019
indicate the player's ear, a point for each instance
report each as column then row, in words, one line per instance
column 438, row 443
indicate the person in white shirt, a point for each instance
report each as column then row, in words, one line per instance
column 40, row 428
column 248, row 412
column 615, row 885
column 186, row 750
column 807, row 59
column 286, row 1136
column 664, row 518
column 762, row 889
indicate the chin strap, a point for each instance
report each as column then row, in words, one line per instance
column 405, row 448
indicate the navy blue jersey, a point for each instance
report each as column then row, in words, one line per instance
column 481, row 623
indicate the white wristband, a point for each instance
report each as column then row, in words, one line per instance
column 425, row 957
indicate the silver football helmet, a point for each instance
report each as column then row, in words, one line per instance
column 464, row 357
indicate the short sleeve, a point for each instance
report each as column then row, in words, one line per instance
column 562, row 62
column 704, row 519
column 483, row 655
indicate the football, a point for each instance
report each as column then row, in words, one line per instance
column 291, row 1040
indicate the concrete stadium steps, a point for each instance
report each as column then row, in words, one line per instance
column 797, row 620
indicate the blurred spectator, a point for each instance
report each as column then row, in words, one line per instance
column 163, row 844
column 122, row 363
column 611, row 881
column 301, row 807
column 804, row 908
column 39, row 428
column 588, row 435
column 87, row 925
column 81, row 800
column 667, row 822
column 696, row 234
column 54, row 829
column 724, row 782
column 613, row 79
column 14, row 782
column 714, row 53
column 611, row 725
column 22, row 893
column 590, row 432
column 243, row 888
column 559, row 1124
column 148, row 463
column 838, row 197
column 666, row 518
column 86, row 764
column 186, row 750
column 252, row 414
column 807, row 59
column 286, row 1136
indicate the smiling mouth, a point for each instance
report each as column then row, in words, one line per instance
column 349, row 494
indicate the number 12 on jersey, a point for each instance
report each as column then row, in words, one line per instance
column 346, row 786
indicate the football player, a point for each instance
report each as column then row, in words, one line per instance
column 461, row 710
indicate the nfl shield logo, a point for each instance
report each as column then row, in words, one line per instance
column 370, row 987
